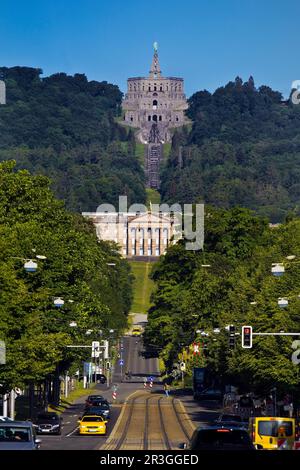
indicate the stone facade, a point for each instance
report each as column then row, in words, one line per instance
column 144, row 235
column 154, row 99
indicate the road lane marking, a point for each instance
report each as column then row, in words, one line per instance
column 70, row 433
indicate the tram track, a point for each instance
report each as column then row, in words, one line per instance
column 151, row 421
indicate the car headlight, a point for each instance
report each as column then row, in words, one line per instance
column 55, row 426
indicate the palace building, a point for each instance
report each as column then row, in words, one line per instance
column 138, row 235
column 155, row 99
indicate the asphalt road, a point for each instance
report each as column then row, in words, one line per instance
column 139, row 366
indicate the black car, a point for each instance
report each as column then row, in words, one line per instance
column 221, row 438
column 101, row 410
column 48, row 423
column 91, row 398
column 100, row 378
column 96, row 403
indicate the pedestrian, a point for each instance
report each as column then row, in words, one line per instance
column 166, row 389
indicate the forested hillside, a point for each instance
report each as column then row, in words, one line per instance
column 243, row 149
column 64, row 127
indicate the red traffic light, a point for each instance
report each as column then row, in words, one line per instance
column 247, row 337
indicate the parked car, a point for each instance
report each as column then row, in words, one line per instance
column 48, row 423
column 101, row 378
column 18, row 435
column 5, row 419
column 220, row 438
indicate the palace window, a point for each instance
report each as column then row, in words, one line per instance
column 160, row 118
column 154, row 118
column 154, row 104
column 149, row 118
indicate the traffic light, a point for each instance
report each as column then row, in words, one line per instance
column 231, row 336
column 247, row 337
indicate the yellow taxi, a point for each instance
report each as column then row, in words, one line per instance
column 272, row 432
column 92, row 424
column 136, row 331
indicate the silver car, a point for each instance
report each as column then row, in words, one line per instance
column 18, row 435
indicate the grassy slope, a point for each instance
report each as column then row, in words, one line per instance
column 143, row 286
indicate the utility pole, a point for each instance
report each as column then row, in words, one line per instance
column 5, row 407
column 12, row 404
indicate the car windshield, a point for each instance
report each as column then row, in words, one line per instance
column 45, row 416
column 92, row 419
column 273, row 428
column 221, row 438
column 14, row 434
column 103, row 406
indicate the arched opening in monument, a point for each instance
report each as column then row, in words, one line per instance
column 154, row 104
column 154, row 117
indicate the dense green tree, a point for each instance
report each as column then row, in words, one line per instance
column 36, row 333
column 240, row 249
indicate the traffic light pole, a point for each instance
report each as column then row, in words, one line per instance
column 275, row 334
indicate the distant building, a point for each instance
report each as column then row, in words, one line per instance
column 155, row 99
column 139, row 235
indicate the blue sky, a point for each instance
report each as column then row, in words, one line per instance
column 207, row 42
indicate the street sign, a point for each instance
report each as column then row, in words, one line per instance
column 121, row 362
column 196, row 348
column 95, row 349
column 182, row 366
